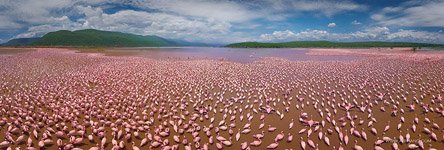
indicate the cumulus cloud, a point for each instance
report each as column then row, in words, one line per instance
column 412, row 35
column 138, row 22
column 194, row 20
column 374, row 33
column 355, row 22
column 428, row 14
column 331, row 25
column 368, row 34
column 287, row 35
column 278, row 36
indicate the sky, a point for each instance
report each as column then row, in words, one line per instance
column 228, row 21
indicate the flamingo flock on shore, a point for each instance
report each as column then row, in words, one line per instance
column 56, row 99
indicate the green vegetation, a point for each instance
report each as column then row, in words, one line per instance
column 97, row 38
column 327, row 44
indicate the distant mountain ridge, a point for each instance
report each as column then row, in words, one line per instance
column 98, row 38
column 20, row 41
column 92, row 37
column 328, row 44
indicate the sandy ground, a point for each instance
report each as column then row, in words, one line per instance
column 59, row 98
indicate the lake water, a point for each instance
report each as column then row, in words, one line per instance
column 243, row 55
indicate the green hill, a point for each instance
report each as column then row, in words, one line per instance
column 20, row 42
column 327, row 44
column 97, row 38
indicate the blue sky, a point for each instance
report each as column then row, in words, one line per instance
column 221, row 22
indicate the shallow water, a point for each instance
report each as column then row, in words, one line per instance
column 243, row 55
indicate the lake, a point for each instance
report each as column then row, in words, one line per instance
column 242, row 55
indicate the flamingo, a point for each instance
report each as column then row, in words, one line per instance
column 289, row 137
column 244, row 145
column 271, row 129
column 346, row 139
column 413, row 146
column 311, row 143
column 238, row 136
column 291, row 124
column 256, row 143
column 303, row 144
column 395, row 146
column 227, row 142
column 273, row 146
column 327, row 140
column 279, row 137
column 259, row 136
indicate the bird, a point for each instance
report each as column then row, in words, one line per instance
column 279, row 137
column 303, row 144
column 273, row 146
column 256, row 143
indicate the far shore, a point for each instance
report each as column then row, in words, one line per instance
column 116, row 47
column 312, row 51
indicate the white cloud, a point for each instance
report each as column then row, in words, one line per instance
column 324, row 7
column 287, row 35
column 412, row 35
column 139, row 22
column 331, row 25
column 156, row 23
column 369, row 34
column 373, row 33
column 218, row 10
column 196, row 20
column 278, row 36
column 40, row 30
column 426, row 14
column 18, row 14
column 355, row 22
column 31, row 11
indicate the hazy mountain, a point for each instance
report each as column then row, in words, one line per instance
column 20, row 42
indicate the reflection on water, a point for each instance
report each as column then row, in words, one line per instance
column 243, row 55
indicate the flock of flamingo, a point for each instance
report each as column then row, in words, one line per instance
column 58, row 99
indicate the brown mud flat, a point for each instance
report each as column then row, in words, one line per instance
column 78, row 95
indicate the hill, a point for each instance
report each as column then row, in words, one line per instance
column 98, row 38
column 328, row 44
column 20, row 42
